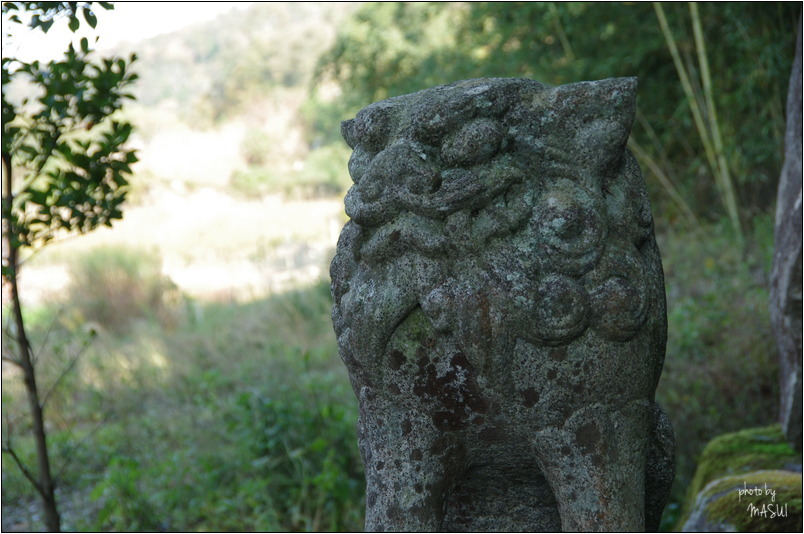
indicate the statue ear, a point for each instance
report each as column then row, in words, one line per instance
column 596, row 118
column 348, row 132
column 372, row 126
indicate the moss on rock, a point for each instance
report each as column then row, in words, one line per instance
column 723, row 495
column 748, row 450
column 759, row 501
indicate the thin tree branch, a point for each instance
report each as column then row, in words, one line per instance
column 7, row 332
column 65, row 372
column 654, row 139
column 47, row 334
column 14, row 361
column 654, row 167
column 69, row 455
column 11, row 452
column 44, row 485
column 562, row 35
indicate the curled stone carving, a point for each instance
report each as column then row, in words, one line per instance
column 499, row 303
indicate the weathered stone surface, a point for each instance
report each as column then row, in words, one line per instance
column 786, row 286
column 499, row 303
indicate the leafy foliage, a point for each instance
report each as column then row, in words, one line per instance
column 389, row 49
column 44, row 14
column 721, row 368
column 319, row 175
column 68, row 151
column 226, row 432
column 211, row 73
column 301, row 449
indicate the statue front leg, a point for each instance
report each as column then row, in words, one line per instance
column 595, row 465
column 407, row 464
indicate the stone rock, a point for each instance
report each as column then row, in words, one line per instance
column 753, row 456
column 757, row 501
column 786, row 286
column 499, row 304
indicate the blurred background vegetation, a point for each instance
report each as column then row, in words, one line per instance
column 204, row 390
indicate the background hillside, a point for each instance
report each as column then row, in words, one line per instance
column 204, row 390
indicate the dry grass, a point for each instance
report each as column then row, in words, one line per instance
column 213, row 244
column 210, row 242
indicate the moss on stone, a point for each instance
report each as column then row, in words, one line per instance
column 776, row 507
column 752, row 449
column 746, row 457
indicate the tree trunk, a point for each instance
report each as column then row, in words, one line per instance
column 45, row 485
column 786, row 284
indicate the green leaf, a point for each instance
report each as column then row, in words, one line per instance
column 73, row 24
column 318, row 445
column 97, row 491
column 90, row 17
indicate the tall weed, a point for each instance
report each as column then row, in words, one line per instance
column 112, row 286
column 250, row 425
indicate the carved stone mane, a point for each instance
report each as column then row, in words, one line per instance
column 499, row 303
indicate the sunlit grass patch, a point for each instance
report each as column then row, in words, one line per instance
column 114, row 286
column 238, row 417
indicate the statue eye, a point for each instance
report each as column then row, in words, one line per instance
column 475, row 142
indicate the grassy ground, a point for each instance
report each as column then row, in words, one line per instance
column 211, row 244
column 240, row 417
column 198, row 384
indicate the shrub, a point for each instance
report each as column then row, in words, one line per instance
column 323, row 173
column 302, row 449
column 112, row 286
column 255, row 181
column 256, row 147
column 124, row 505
